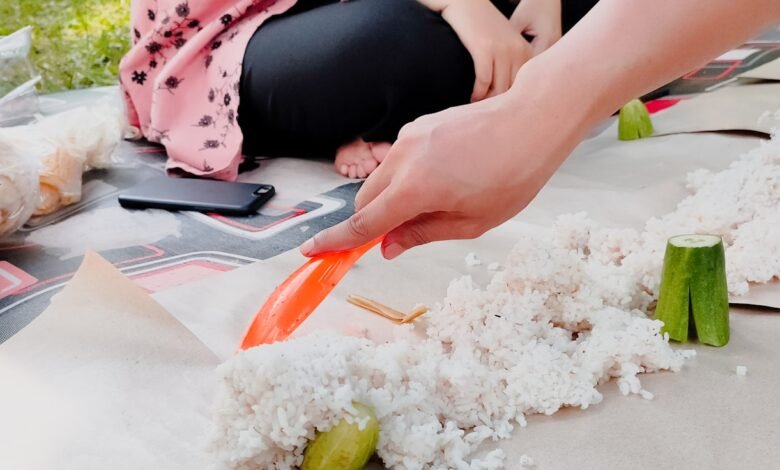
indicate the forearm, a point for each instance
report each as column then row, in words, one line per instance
column 625, row 48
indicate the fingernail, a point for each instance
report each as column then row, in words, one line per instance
column 392, row 251
column 307, row 247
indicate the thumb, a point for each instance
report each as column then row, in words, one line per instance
column 378, row 217
column 424, row 229
column 521, row 25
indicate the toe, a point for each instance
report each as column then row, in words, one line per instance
column 368, row 165
column 379, row 150
column 350, row 153
column 344, row 170
column 361, row 173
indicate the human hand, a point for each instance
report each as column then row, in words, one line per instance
column 432, row 186
column 540, row 19
column 497, row 49
column 460, row 172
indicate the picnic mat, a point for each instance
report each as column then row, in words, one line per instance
column 160, row 250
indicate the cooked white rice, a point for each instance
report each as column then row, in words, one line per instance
column 565, row 315
column 472, row 260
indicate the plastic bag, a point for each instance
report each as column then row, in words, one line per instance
column 18, row 96
column 18, row 188
column 83, row 139
column 66, row 145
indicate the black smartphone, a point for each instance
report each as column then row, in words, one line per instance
column 186, row 194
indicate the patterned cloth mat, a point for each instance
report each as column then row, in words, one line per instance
column 207, row 244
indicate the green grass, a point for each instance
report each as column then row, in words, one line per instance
column 76, row 43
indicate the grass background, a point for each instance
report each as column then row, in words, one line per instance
column 76, row 43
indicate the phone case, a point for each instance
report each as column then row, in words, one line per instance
column 198, row 195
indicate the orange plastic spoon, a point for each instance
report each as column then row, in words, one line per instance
column 297, row 297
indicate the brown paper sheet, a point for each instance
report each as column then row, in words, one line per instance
column 219, row 310
column 705, row 417
column 117, row 383
column 738, row 107
column 622, row 184
column 104, row 378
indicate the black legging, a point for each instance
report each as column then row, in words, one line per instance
column 328, row 72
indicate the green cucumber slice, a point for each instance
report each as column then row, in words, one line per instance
column 694, row 296
column 634, row 121
column 345, row 446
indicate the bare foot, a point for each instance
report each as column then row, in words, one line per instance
column 359, row 158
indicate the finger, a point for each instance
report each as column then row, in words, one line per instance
column 361, row 173
column 352, row 171
column 369, row 165
column 378, row 180
column 372, row 187
column 484, row 78
column 424, row 229
column 380, row 216
column 501, row 79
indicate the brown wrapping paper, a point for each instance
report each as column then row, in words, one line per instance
column 105, row 378
column 739, row 107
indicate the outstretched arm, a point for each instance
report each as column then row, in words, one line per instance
column 625, row 48
column 458, row 173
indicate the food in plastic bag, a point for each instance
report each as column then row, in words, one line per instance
column 66, row 145
column 18, row 189
column 18, row 96
column 83, row 139
column 60, row 181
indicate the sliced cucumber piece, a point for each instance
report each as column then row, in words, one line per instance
column 634, row 121
column 694, row 296
column 345, row 446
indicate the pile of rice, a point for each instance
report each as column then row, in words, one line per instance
column 565, row 315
